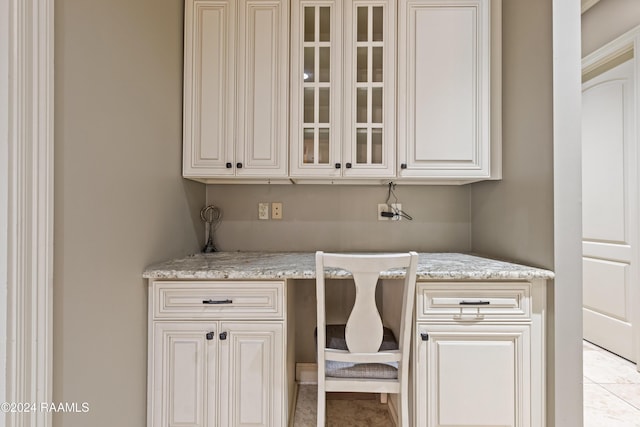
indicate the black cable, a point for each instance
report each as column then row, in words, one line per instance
column 396, row 211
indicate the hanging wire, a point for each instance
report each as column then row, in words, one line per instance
column 396, row 211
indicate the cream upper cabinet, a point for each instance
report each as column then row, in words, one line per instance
column 342, row 89
column 335, row 92
column 449, row 89
column 235, row 89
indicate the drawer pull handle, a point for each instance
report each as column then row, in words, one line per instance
column 223, row 335
column 424, row 336
column 210, row 336
column 475, row 302
column 217, row 301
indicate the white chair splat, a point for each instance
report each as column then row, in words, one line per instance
column 363, row 355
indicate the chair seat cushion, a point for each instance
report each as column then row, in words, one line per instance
column 336, row 340
column 361, row 370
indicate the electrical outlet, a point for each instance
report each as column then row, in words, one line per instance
column 396, row 208
column 276, row 210
column 382, row 207
column 263, row 210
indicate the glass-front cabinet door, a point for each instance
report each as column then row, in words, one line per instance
column 315, row 89
column 342, row 89
column 369, row 128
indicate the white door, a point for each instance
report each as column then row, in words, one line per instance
column 209, row 88
column 184, row 375
column 473, row 375
column 263, row 96
column 252, row 383
column 443, row 88
column 610, row 216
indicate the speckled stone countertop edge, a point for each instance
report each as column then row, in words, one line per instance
column 301, row 265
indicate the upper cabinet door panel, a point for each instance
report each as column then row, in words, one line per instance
column 316, row 95
column 444, row 85
column 209, row 87
column 263, row 43
column 369, row 145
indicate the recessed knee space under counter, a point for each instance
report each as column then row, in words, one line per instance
column 227, row 329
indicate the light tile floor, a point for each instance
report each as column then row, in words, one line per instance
column 611, row 397
column 611, row 389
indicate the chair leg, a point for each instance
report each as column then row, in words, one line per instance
column 404, row 410
column 383, row 397
column 322, row 405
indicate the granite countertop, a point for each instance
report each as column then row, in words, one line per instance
column 301, row 265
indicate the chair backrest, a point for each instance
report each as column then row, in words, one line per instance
column 364, row 328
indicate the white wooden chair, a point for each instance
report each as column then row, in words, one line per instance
column 362, row 355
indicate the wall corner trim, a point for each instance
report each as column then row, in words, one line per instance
column 29, row 255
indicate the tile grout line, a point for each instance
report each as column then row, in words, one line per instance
column 611, row 356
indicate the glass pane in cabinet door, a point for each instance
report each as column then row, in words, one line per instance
column 323, row 105
column 361, row 105
column 376, row 105
column 363, row 24
column 309, row 24
column 309, row 59
column 323, row 146
column 308, row 105
column 361, row 65
column 378, row 27
column 307, row 152
column 325, row 24
column 361, row 146
column 324, row 64
column 376, row 146
column 376, row 53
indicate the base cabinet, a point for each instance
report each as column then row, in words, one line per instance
column 479, row 354
column 217, row 354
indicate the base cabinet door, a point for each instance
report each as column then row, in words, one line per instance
column 184, row 375
column 209, row 374
column 473, row 375
column 252, row 374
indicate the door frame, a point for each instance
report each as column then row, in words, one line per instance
column 626, row 47
column 26, row 190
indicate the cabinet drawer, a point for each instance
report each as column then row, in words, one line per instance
column 218, row 300
column 473, row 301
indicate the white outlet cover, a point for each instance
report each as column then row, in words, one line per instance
column 263, row 210
column 382, row 207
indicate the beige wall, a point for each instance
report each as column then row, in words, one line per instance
column 334, row 217
column 513, row 217
column 120, row 202
column 607, row 20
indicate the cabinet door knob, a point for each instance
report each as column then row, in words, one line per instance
column 424, row 336
column 239, row 165
column 348, row 165
column 209, row 336
column 229, row 165
column 338, row 165
column 223, row 335
column 403, row 166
